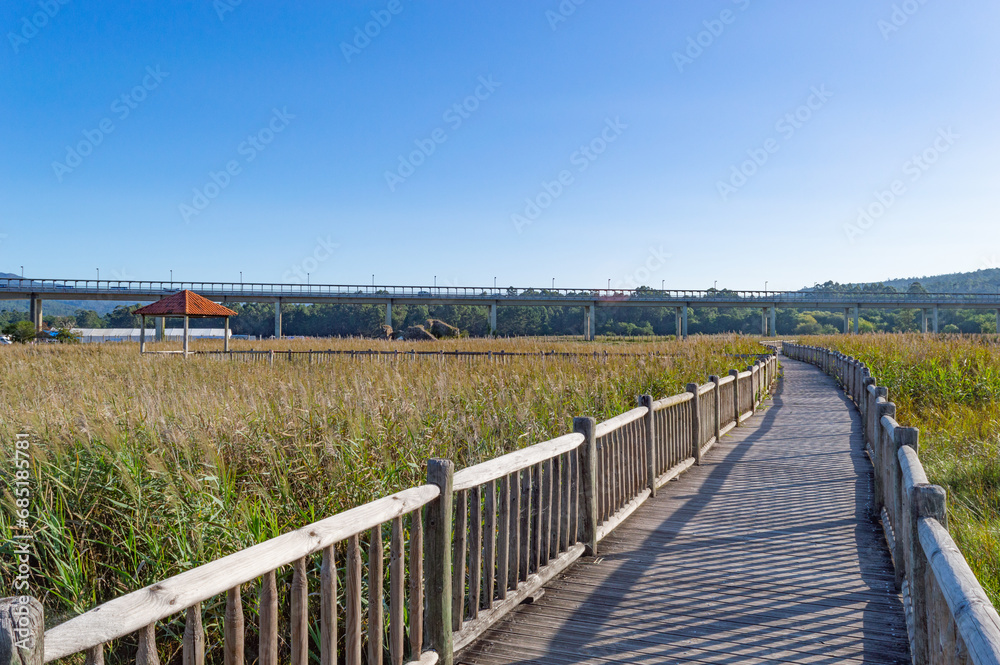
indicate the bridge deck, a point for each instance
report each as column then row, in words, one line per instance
column 767, row 553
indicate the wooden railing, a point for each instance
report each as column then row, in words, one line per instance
column 463, row 550
column 948, row 615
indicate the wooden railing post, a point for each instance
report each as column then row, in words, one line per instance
column 696, row 423
column 650, row 434
column 865, row 404
column 437, row 560
column 22, row 631
column 718, row 407
column 902, row 436
column 879, row 446
column 735, row 373
column 925, row 501
column 588, row 482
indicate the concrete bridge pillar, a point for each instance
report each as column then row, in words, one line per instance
column 684, row 321
column 590, row 323
column 677, row 321
column 923, row 321
column 847, row 321
column 774, row 320
column 935, row 319
column 763, row 322
column 35, row 307
column 161, row 328
column 857, row 319
column 388, row 313
column 277, row 319
column 493, row 318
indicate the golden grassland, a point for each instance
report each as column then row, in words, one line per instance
column 146, row 466
column 949, row 387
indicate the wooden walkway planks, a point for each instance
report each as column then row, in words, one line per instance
column 767, row 553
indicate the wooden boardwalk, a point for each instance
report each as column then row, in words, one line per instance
column 767, row 553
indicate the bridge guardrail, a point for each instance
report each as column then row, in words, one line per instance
column 949, row 617
column 75, row 288
column 464, row 549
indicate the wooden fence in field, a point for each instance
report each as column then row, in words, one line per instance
column 464, row 549
column 317, row 356
column 949, row 618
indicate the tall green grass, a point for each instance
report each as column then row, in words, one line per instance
column 949, row 387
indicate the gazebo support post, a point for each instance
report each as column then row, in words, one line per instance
column 187, row 333
column 225, row 337
column 142, row 337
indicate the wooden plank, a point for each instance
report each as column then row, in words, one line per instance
column 299, row 614
column 416, row 582
column 613, row 424
column 234, row 630
column 352, row 603
column 267, row 625
column 194, row 637
column 475, row 550
column 524, row 526
column 536, row 518
column 460, row 552
column 503, row 536
column 673, row 400
column 516, row 461
column 376, row 582
column 328, row 609
column 146, row 652
column 514, row 522
column 489, row 544
column 397, row 588
column 128, row 613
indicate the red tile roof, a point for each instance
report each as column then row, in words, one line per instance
column 184, row 303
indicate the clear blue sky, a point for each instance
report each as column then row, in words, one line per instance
column 313, row 117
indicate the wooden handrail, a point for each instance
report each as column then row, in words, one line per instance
column 975, row 617
column 518, row 460
column 127, row 614
column 673, row 400
column 611, row 424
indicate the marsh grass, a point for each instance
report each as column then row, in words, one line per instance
column 146, row 466
column 949, row 387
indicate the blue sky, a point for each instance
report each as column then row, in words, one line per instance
column 637, row 141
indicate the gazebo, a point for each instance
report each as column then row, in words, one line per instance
column 189, row 305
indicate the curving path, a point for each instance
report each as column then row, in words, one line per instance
column 767, row 553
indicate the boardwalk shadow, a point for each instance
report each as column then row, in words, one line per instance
column 654, row 605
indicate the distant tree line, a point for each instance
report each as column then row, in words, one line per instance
column 366, row 320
